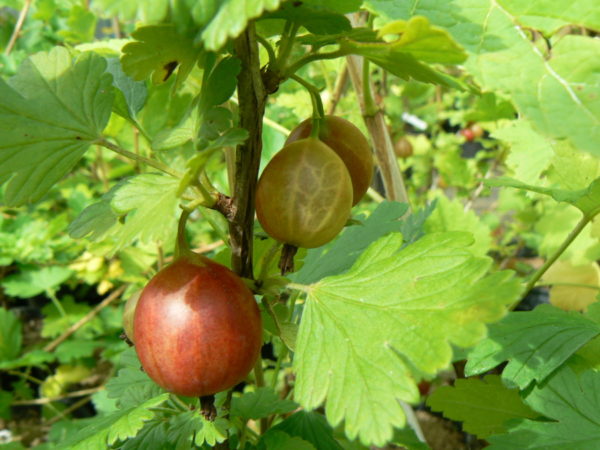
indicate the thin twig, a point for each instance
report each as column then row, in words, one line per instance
column 138, row 158
column 46, row 400
column 78, row 404
column 568, row 241
column 340, row 87
column 18, row 26
column 85, row 319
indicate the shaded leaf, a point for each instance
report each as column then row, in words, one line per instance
column 310, row 426
column 35, row 281
column 534, row 343
column 157, row 51
column 230, row 20
column 261, row 403
column 572, row 404
column 10, row 335
column 107, row 430
column 483, row 406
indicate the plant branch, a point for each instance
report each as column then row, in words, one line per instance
column 317, row 103
column 378, row 130
column 85, row 319
column 380, row 136
column 340, row 86
column 142, row 159
column 297, row 65
column 18, row 27
column 552, row 259
column 252, row 99
column 268, row 47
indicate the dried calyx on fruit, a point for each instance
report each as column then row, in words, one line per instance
column 348, row 142
column 304, row 195
column 197, row 328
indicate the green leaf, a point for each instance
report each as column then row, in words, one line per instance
column 407, row 57
column 530, row 153
column 30, row 359
column 279, row 440
column 534, row 343
column 81, row 25
column 231, row 18
column 97, row 219
column 74, row 349
column 572, row 404
column 572, row 169
column 586, row 200
column 425, row 42
column 190, row 426
column 549, row 16
column 484, row 406
column 55, row 323
column 6, row 399
column 450, row 215
column 151, row 204
column 403, row 307
column 339, row 6
column 130, row 94
column 315, row 19
column 560, row 102
column 341, row 253
column 310, row 426
column 157, row 51
column 94, row 221
column 152, row 437
column 10, row 335
column 261, row 403
column 130, row 385
column 35, row 281
column 38, row 147
column 107, row 430
column 407, row 438
column 220, row 83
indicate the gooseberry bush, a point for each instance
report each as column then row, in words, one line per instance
column 315, row 224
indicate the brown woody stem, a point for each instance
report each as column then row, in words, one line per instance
column 252, row 100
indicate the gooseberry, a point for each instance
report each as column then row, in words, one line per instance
column 197, row 327
column 403, row 148
column 304, row 195
column 349, row 143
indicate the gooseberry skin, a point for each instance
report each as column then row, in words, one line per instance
column 349, row 143
column 197, row 328
column 304, row 195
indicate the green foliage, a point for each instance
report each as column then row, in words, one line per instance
column 10, row 335
column 341, row 253
column 569, row 402
column 229, row 19
column 383, row 307
column 311, row 427
column 39, row 149
column 114, row 427
column 406, row 290
column 35, row 281
column 261, row 403
column 557, row 100
column 157, row 51
column 484, row 406
column 535, row 343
